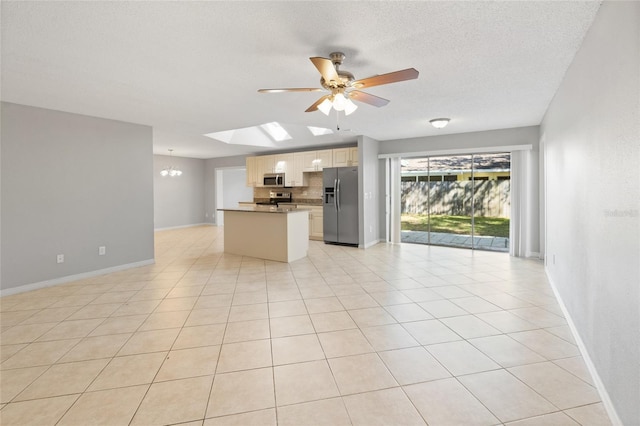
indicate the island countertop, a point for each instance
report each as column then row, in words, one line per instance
column 264, row 209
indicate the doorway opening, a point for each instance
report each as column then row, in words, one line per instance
column 231, row 188
column 457, row 201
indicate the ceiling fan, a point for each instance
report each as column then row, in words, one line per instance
column 344, row 87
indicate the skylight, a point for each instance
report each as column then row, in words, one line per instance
column 319, row 131
column 276, row 131
column 273, row 134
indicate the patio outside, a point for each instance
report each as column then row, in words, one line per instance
column 459, row 201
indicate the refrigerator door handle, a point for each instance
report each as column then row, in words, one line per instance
column 338, row 194
column 335, row 196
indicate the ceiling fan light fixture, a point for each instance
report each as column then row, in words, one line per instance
column 439, row 123
column 325, row 106
column 339, row 102
column 349, row 107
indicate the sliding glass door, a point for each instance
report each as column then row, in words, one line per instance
column 457, row 201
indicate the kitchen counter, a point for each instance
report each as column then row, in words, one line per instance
column 264, row 209
column 266, row 232
column 300, row 202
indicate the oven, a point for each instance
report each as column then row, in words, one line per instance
column 275, row 198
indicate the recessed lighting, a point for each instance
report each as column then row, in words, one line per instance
column 439, row 123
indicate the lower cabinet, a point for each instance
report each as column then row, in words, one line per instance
column 315, row 223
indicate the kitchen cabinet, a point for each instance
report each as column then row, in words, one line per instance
column 266, row 233
column 297, row 176
column 345, row 157
column 315, row 222
column 294, row 165
column 316, row 218
column 307, row 160
column 282, row 163
column 324, row 158
column 252, row 172
column 353, row 154
column 264, row 164
column 315, row 161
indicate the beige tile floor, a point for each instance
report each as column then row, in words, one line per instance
column 391, row 335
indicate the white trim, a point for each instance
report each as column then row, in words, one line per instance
column 533, row 254
column 218, row 216
column 458, row 151
column 184, row 226
column 604, row 395
column 69, row 278
column 372, row 243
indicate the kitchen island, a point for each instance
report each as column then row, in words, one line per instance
column 272, row 233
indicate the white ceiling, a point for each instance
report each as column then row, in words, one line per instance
column 190, row 68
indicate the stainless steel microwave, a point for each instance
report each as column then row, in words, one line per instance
column 273, row 179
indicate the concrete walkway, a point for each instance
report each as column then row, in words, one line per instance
column 454, row 240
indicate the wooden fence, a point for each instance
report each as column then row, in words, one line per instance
column 490, row 198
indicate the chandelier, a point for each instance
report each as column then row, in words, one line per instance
column 170, row 171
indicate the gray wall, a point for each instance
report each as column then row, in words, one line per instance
column 72, row 183
column 591, row 144
column 464, row 141
column 210, row 181
column 178, row 201
column 368, row 202
column 474, row 142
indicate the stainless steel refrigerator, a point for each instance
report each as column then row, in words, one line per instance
column 340, row 202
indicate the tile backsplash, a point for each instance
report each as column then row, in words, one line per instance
column 313, row 192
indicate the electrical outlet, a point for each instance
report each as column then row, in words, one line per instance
column 60, row 258
column 102, row 250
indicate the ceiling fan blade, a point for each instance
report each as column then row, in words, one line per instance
column 295, row 89
column 314, row 107
column 376, row 101
column 326, row 68
column 392, row 77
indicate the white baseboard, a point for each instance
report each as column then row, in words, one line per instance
column 69, row 278
column 372, row 243
column 184, row 226
column 604, row 395
column 533, row 254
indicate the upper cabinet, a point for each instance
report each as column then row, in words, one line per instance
column 345, row 157
column 252, row 171
column 265, row 164
column 297, row 176
column 283, row 163
column 315, row 161
column 324, row 159
column 293, row 165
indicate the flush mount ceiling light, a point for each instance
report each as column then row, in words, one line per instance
column 439, row 123
column 170, row 171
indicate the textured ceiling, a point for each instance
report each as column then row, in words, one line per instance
column 190, row 68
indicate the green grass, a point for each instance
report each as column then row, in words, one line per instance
column 487, row 226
